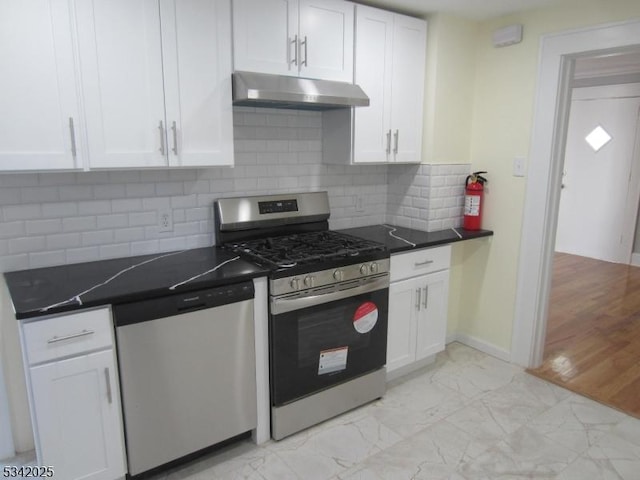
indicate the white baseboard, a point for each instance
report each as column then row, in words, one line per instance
column 481, row 345
column 635, row 259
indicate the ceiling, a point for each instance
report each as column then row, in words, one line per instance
column 471, row 9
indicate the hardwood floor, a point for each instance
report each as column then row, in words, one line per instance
column 593, row 333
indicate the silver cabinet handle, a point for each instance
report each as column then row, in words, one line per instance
column 395, row 137
column 161, row 128
column 107, row 378
column 426, row 296
column 304, row 42
column 72, row 132
column 423, row 264
column 295, row 50
column 418, row 290
column 389, row 142
column 83, row 333
column 174, row 129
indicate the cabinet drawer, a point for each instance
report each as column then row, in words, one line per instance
column 420, row 262
column 67, row 335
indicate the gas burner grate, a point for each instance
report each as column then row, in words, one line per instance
column 305, row 248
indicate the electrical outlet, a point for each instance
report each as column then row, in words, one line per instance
column 165, row 221
column 359, row 203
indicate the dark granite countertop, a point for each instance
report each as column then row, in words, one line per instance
column 413, row 239
column 42, row 291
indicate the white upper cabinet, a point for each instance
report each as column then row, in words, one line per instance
column 306, row 38
column 390, row 68
column 263, row 38
column 407, row 88
column 39, row 101
column 121, row 61
column 196, row 47
column 326, row 40
column 156, row 82
column 374, row 51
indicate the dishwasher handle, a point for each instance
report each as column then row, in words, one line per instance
column 176, row 304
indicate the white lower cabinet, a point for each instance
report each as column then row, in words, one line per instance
column 418, row 299
column 74, row 395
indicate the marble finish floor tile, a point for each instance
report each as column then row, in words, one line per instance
column 468, row 416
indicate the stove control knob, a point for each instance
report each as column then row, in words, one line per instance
column 295, row 284
column 364, row 269
column 373, row 267
column 309, row 281
column 338, row 274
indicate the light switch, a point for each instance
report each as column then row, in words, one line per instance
column 519, row 166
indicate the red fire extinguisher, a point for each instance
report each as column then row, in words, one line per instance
column 473, row 200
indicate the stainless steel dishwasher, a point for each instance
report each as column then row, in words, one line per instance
column 187, row 373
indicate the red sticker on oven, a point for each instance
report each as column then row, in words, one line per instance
column 365, row 317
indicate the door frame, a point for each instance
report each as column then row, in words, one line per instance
column 540, row 215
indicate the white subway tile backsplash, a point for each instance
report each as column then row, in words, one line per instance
column 62, row 241
column 59, row 209
column 79, row 224
column 169, row 188
column 95, row 207
column 142, row 218
column 97, row 237
column 109, row 191
column 130, row 234
column 9, row 196
column 22, row 212
column 146, row 247
column 84, row 254
column 116, row 220
column 116, row 250
column 59, row 178
column 47, row 259
column 27, row 244
column 19, row 180
column 184, row 201
column 38, row 227
column 12, row 229
column 140, row 189
column 126, row 205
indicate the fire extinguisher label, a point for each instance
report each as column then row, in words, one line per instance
column 472, row 205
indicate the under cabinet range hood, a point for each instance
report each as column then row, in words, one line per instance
column 279, row 91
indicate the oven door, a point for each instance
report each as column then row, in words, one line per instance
column 325, row 336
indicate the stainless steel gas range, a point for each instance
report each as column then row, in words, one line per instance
column 328, row 305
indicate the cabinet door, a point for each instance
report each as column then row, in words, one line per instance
column 39, row 101
column 121, row 62
column 326, row 39
column 77, row 417
column 409, row 45
column 374, row 41
column 432, row 318
column 264, row 36
column 196, row 48
column 401, row 333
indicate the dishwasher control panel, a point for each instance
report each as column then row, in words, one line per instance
column 177, row 303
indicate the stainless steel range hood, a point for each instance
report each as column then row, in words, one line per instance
column 279, row 91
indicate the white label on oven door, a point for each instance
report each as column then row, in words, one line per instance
column 365, row 317
column 333, row 360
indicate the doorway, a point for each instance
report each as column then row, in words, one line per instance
column 600, row 184
column 558, row 57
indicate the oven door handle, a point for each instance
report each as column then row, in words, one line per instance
column 288, row 304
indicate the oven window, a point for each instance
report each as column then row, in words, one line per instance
column 320, row 346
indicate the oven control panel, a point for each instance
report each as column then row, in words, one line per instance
column 281, row 286
column 278, row 206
